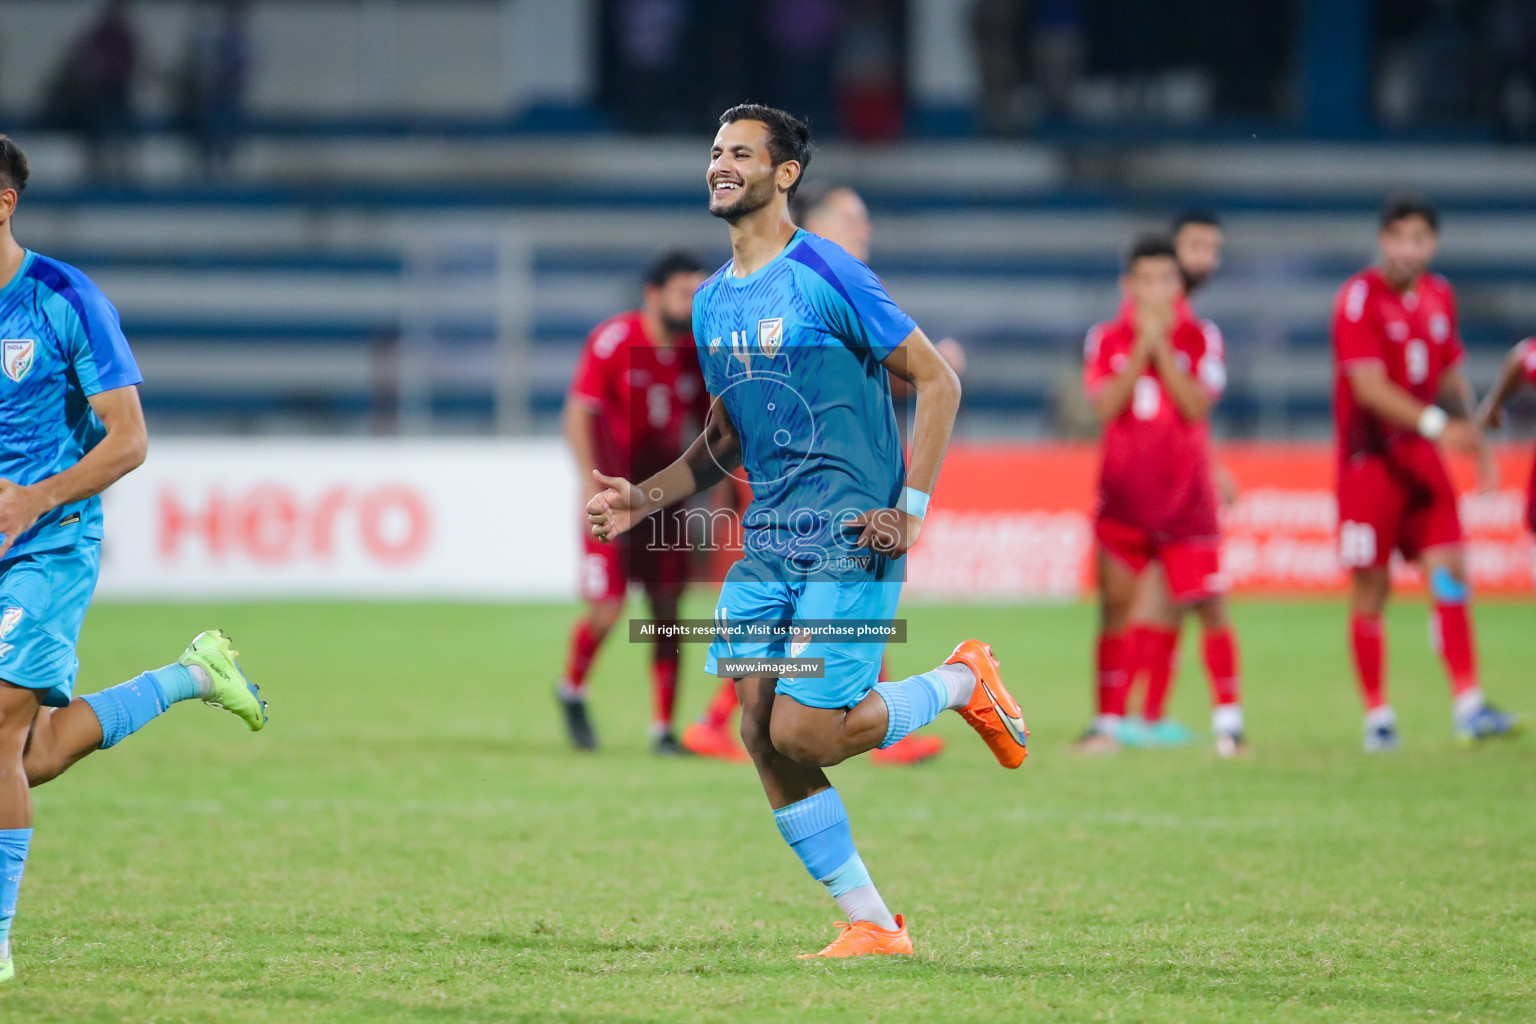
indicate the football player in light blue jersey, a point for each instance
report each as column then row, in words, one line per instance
column 797, row 339
column 70, row 426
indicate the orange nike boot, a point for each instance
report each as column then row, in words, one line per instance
column 706, row 741
column 865, row 938
column 911, row 749
column 992, row 711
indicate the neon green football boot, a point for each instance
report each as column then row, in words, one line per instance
column 7, row 966
column 229, row 689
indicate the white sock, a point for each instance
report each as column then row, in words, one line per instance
column 864, row 904
column 1382, row 717
column 961, row 682
column 568, row 692
column 200, row 676
column 1227, row 719
column 1107, row 724
column 1469, row 703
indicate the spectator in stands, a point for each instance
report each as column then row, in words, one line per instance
column 91, row 94
column 1059, row 46
column 213, row 83
column 869, row 72
column 802, row 39
column 997, row 31
column 1507, row 89
column 650, row 40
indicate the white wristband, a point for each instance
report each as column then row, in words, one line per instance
column 1432, row 422
column 914, row 502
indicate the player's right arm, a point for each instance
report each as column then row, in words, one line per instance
column 1360, row 349
column 578, row 421
column 1109, row 392
column 622, row 504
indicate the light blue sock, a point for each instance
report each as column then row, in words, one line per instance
column 13, row 860
column 126, row 708
column 816, row 828
column 912, row 703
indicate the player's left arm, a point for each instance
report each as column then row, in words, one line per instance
column 1194, row 393
column 1457, row 398
column 920, row 363
column 1490, row 415
column 120, row 452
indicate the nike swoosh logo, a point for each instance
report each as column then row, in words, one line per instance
column 1013, row 723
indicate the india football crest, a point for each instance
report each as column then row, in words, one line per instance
column 770, row 336
column 16, row 356
column 9, row 620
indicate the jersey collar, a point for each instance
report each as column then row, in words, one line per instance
column 740, row 282
column 21, row 271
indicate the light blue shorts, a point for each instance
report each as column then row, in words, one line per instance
column 43, row 599
column 852, row 669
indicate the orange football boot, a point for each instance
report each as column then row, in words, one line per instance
column 992, row 711
column 865, row 938
column 911, row 749
column 700, row 739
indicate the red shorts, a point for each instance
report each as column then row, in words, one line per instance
column 1405, row 505
column 607, row 570
column 1192, row 565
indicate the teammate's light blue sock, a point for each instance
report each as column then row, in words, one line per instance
column 126, row 708
column 816, row 828
column 13, row 860
column 913, row 702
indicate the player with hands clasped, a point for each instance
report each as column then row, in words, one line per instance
column 1153, row 375
column 1399, row 393
column 796, row 339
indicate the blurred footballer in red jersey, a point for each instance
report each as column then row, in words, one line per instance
column 1400, row 393
column 1153, row 375
column 636, row 399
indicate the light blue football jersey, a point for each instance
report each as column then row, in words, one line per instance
column 794, row 352
column 60, row 342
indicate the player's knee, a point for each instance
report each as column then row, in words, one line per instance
column 755, row 735
column 807, row 746
column 1448, row 585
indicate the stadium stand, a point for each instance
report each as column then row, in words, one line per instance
column 379, row 294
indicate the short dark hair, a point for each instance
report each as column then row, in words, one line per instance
column 1405, row 205
column 13, row 165
column 788, row 136
column 668, row 265
column 1150, row 247
column 1202, row 217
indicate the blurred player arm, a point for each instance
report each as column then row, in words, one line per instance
column 1194, row 402
column 578, row 421
column 1109, row 393
column 120, row 452
column 1458, row 399
column 1511, row 375
column 713, row 454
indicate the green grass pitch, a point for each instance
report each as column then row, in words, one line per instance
column 410, row 840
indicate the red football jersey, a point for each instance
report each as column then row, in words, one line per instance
column 649, row 398
column 1156, row 470
column 1413, row 334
